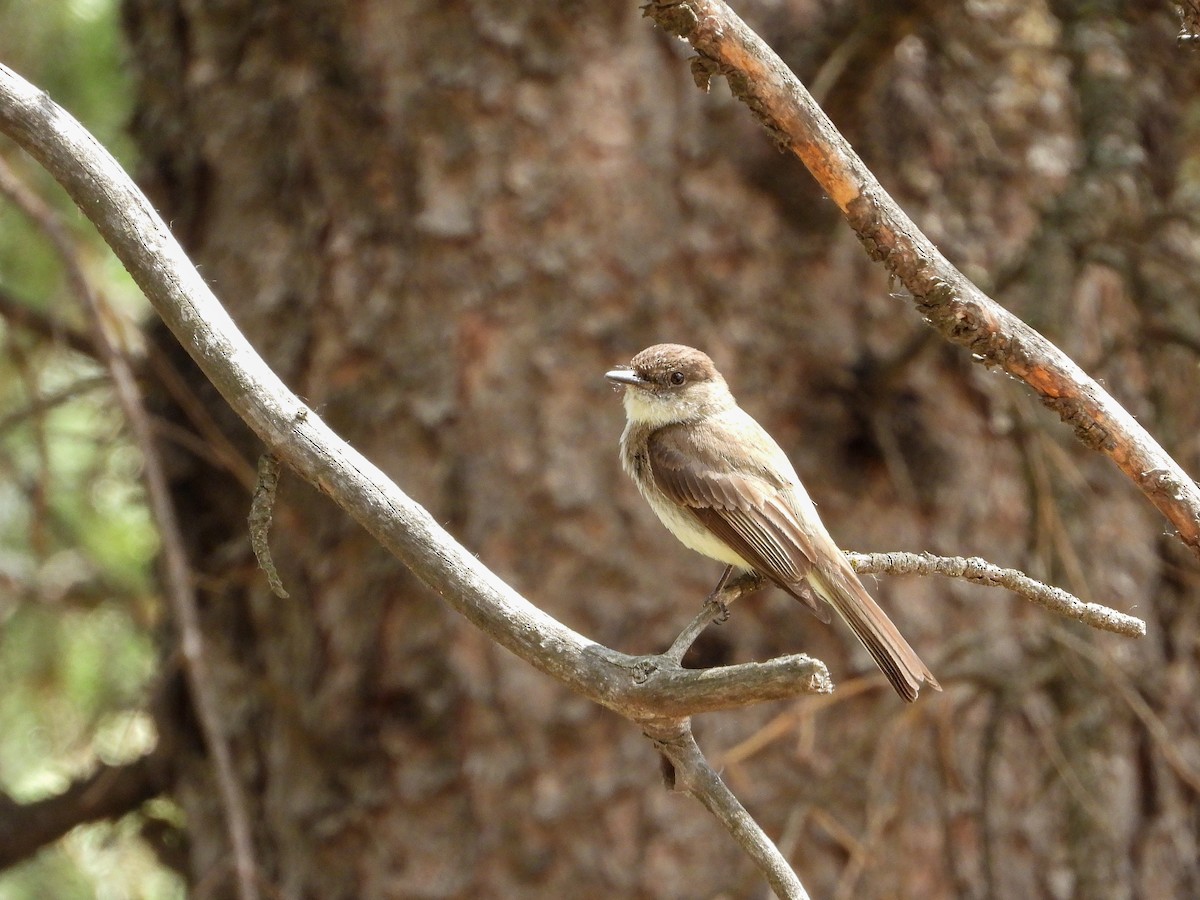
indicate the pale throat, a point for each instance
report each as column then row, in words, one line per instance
column 644, row 408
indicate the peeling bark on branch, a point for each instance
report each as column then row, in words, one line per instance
column 641, row 687
column 945, row 297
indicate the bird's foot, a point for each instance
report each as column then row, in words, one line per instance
column 716, row 600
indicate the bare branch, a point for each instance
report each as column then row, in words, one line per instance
column 140, row 239
column 654, row 691
column 715, row 608
column 647, row 690
column 981, row 571
column 692, row 774
column 668, row 690
column 944, row 296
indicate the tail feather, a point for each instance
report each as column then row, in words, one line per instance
column 871, row 625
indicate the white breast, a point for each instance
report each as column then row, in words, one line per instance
column 690, row 533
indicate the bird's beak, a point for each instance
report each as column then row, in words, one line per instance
column 624, row 375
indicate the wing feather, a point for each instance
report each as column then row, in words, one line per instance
column 753, row 511
column 745, row 510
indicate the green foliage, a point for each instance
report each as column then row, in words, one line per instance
column 100, row 862
column 77, row 603
column 72, row 49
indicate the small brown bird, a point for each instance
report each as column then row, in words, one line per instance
column 722, row 485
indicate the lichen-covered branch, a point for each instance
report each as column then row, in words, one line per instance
column 261, row 508
column 980, row 571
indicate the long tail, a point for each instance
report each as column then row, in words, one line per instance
column 870, row 624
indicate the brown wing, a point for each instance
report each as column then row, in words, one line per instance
column 749, row 511
column 745, row 510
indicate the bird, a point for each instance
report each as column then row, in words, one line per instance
column 722, row 485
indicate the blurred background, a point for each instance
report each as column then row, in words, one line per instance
column 441, row 225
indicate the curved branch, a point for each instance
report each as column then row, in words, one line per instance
column 980, row 571
column 261, row 510
column 140, row 239
column 945, row 297
column 650, row 690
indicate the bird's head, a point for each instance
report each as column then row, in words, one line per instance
column 670, row 383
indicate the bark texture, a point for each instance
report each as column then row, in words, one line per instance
column 442, row 224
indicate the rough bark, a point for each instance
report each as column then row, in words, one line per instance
column 442, row 225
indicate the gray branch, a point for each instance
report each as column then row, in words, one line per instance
column 654, row 691
column 691, row 773
column 981, row 571
column 141, row 240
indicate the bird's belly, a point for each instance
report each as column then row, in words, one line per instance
column 692, row 534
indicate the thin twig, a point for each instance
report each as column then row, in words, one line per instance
column 713, row 609
column 178, row 572
column 981, row 571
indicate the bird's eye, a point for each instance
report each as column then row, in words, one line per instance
column 677, row 378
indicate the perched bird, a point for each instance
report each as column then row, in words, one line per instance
column 722, row 485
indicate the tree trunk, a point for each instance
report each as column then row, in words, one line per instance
column 442, row 225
